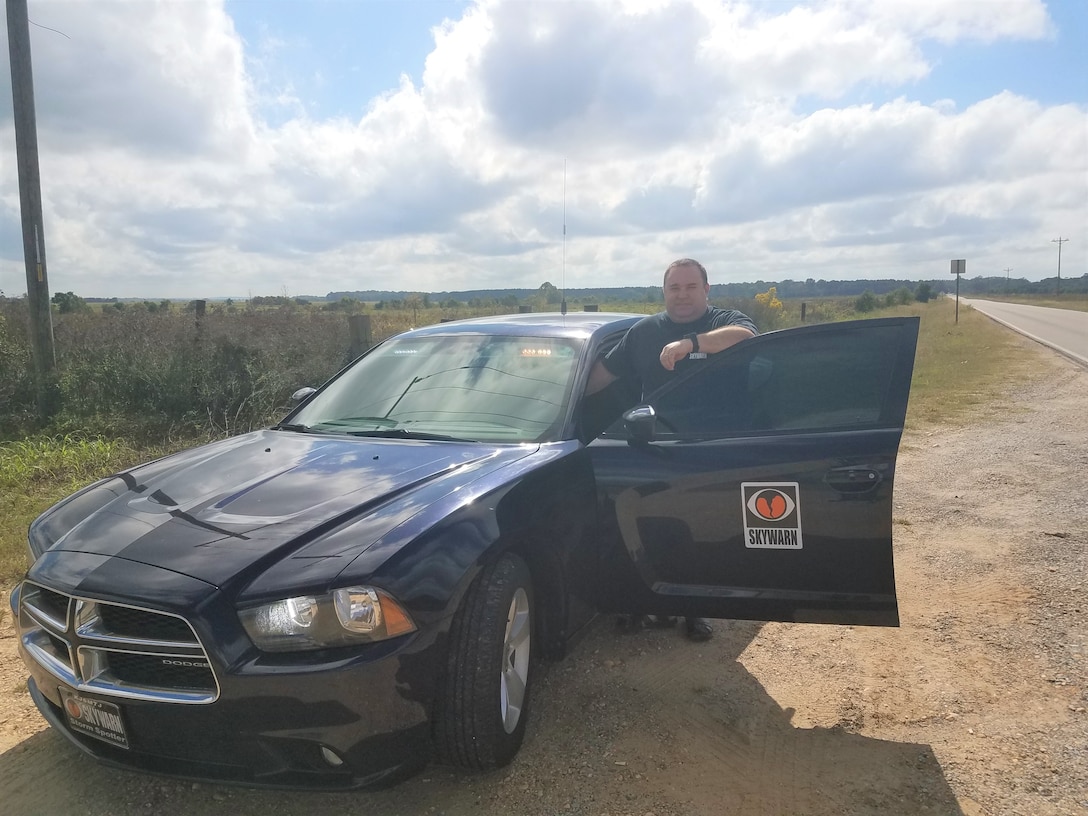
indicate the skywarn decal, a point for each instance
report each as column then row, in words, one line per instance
column 772, row 515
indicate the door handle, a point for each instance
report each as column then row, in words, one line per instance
column 853, row 479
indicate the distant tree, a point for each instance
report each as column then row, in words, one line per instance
column 414, row 302
column 67, row 302
column 900, row 297
column 549, row 294
column 867, row 302
column 924, row 293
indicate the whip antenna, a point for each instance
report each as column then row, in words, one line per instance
column 563, row 278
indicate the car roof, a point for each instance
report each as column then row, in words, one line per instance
column 542, row 324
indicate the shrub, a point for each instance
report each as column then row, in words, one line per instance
column 765, row 310
column 18, row 402
column 900, row 297
column 866, row 302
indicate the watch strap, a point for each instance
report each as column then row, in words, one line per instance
column 694, row 338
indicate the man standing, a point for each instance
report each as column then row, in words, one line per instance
column 660, row 345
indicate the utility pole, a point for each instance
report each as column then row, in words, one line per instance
column 30, row 198
column 1008, row 269
column 1059, row 241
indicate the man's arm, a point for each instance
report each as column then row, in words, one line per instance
column 711, row 342
column 599, row 378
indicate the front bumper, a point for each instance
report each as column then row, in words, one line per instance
column 318, row 721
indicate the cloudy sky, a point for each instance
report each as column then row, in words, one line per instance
column 202, row 148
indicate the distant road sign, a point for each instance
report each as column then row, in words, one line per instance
column 959, row 267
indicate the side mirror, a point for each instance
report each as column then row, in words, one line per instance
column 640, row 423
column 303, row 394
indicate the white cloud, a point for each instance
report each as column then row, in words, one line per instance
column 660, row 128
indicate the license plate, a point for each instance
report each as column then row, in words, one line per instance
column 95, row 718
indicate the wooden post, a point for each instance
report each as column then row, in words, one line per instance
column 359, row 329
column 30, row 199
column 803, row 304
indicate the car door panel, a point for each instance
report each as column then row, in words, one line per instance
column 775, row 502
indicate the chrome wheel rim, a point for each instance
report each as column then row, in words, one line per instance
column 514, row 674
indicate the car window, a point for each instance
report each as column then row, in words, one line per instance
column 478, row 387
column 785, row 382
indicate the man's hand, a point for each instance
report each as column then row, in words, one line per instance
column 710, row 342
column 674, row 352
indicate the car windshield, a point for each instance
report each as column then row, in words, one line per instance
column 489, row 388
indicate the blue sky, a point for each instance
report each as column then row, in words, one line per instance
column 339, row 54
column 213, row 148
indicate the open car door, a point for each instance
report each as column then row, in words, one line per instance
column 759, row 486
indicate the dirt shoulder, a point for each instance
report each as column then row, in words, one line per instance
column 975, row 705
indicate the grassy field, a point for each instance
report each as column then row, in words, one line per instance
column 961, row 368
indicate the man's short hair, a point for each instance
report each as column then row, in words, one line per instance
column 685, row 262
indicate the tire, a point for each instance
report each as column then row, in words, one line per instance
column 484, row 703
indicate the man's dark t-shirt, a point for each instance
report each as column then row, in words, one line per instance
column 638, row 355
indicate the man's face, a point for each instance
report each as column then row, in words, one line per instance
column 685, row 294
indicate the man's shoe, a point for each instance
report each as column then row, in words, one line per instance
column 698, row 629
column 628, row 624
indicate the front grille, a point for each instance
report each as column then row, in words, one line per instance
column 115, row 649
column 159, row 671
column 124, row 621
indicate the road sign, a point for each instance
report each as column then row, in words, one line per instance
column 958, row 268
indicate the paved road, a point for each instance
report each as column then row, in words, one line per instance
column 1064, row 330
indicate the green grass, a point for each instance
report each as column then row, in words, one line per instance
column 962, row 370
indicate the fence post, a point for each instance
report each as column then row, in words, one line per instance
column 359, row 329
column 803, row 304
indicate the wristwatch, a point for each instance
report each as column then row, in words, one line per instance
column 694, row 338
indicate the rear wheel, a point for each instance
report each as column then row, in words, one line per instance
column 484, row 703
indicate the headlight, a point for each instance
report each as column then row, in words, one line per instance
column 346, row 616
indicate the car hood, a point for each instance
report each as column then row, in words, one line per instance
column 232, row 508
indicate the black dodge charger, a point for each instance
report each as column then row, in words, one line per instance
column 366, row 587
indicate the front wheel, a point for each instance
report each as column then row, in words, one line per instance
column 484, row 702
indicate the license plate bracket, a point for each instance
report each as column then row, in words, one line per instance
column 95, row 718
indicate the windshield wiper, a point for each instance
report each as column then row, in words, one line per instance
column 370, row 420
column 401, row 433
column 288, row 426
